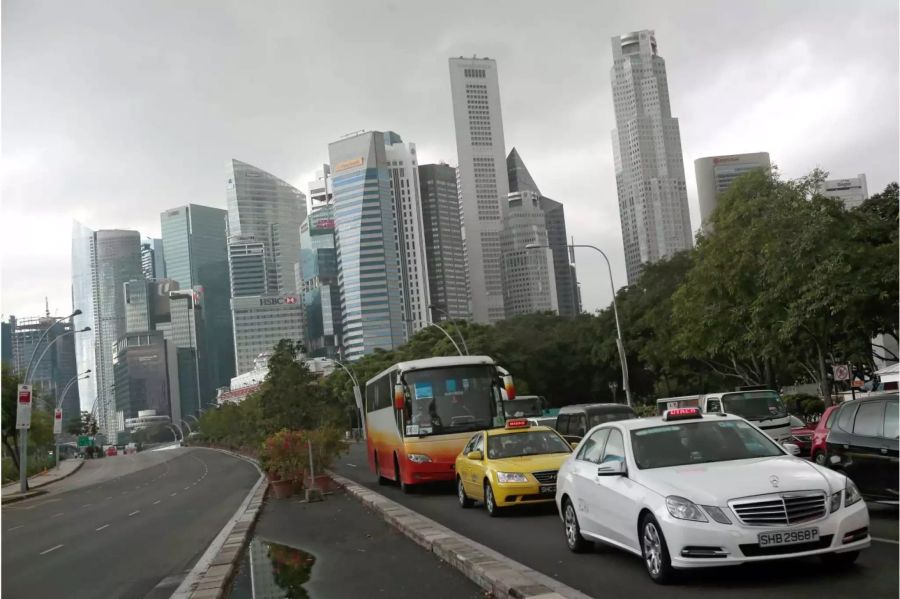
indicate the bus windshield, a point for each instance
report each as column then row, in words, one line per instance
column 755, row 405
column 451, row 400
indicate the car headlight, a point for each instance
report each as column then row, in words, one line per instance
column 511, row 477
column 835, row 502
column 418, row 458
column 681, row 508
column 851, row 494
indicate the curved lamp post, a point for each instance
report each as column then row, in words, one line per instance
column 357, row 393
column 62, row 399
column 619, row 343
column 458, row 330
column 434, row 324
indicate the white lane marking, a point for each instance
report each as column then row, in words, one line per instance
column 46, row 551
column 157, row 501
column 15, row 527
column 123, row 492
column 891, row 541
column 102, row 527
column 107, row 498
column 351, row 465
column 86, row 504
column 187, row 487
column 31, row 507
column 57, row 515
column 174, row 494
column 135, row 512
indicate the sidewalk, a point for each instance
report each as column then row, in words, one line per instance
column 346, row 550
column 66, row 468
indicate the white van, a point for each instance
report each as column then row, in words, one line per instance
column 762, row 407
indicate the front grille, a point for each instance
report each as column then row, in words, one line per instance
column 546, row 477
column 754, row 550
column 786, row 508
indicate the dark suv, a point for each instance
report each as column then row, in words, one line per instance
column 862, row 443
column 573, row 422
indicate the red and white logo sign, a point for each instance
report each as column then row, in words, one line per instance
column 58, row 414
column 290, row 299
column 24, row 395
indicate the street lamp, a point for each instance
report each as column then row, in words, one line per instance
column 458, row 331
column 184, row 422
column 62, row 399
column 197, row 420
column 41, row 339
column 172, row 428
column 613, row 387
column 29, row 374
column 619, row 343
column 357, row 393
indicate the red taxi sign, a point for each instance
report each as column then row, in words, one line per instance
column 517, row 423
column 682, row 414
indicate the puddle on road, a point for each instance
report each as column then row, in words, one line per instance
column 272, row 571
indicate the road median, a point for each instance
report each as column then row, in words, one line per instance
column 497, row 574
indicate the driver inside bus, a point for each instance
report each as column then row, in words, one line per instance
column 425, row 413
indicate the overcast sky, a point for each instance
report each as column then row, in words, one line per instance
column 115, row 111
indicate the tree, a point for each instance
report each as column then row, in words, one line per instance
column 10, row 390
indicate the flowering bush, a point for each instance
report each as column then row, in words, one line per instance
column 286, row 453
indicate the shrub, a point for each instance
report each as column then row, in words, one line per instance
column 286, row 453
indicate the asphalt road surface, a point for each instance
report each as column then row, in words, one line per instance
column 132, row 535
column 534, row 536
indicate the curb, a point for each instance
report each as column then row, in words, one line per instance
column 211, row 575
column 497, row 574
column 29, row 493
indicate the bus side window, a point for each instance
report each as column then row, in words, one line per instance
column 562, row 424
column 580, row 425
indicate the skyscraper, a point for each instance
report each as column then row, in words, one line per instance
column 260, row 322
column 247, row 266
column 321, row 298
column 196, row 255
column 368, row 254
column 529, row 280
column 443, row 242
column 520, row 180
column 852, row 192
column 102, row 262
column 715, row 174
column 409, row 235
column 483, row 186
column 153, row 258
column 650, row 180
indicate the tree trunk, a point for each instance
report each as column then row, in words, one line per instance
column 13, row 451
column 824, row 383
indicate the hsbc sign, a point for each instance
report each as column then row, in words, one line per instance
column 278, row 301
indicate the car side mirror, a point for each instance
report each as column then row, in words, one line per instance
column 475, row 455
column 616, row 468
column 791, row 448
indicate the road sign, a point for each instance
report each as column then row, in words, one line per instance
column 23, row 408
column 84, row 441
column 841, row 372
column 57, row 422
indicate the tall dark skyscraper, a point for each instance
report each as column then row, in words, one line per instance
column 321, row 297
column 153, row 260
column 196, row 254
column 443, row 242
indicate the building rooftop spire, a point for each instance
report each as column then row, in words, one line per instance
column 519, row 177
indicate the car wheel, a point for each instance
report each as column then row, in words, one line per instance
column 490, row 502
column 464, row 501
column 574, row 541
column 381, row 479
column 407, row 489
column 655, row 551
column 819, row 458
column 840, row 560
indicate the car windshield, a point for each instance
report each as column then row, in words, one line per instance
column 623, row 413
column 511, row 445
column 523, row 407
column 755, row 405
column 451, row 400
column 698, row 443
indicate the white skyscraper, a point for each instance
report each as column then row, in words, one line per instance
column 653, row 202
column 483, row 184
column 529, row 277
column 409, row 234
column 715, row 174
column 852, row 192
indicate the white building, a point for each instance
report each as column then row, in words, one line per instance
column 483, row 184
column 715, row 174
column 260, row 322
column 409, row 234
column 653, row 203
column 529, row 279
column 852, row 191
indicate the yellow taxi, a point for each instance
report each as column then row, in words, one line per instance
column 514, row 465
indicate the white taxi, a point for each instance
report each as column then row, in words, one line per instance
column 687, row 490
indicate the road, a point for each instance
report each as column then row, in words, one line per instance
column 131, row 535
column 534, row 537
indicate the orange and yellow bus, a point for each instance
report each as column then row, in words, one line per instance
column 421, row 413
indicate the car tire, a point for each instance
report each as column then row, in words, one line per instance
column 839, row 560
column 819, row 458
column 381, row 479
column 574, row 541
column 490, row 502
column 406, row 488
column 655, row 551
column 464, row 501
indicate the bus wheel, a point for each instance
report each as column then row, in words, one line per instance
column 407, row 489
column 381, row 480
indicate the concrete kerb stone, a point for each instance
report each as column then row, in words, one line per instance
column 497, row 574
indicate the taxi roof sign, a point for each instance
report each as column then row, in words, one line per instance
column 682, row 414
column 518, row 423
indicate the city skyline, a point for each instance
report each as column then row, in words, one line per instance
column 802, row 87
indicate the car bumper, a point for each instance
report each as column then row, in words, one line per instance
column 845, row 530
column 507, row 494
column 428, row 472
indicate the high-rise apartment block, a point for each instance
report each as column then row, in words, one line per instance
column 196, row 257
column 102, row 262
column 852, row 192
column 444, row 252
column 715, row 175
column 649, row 166
column 483, row 186
column 368, row 252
